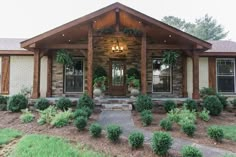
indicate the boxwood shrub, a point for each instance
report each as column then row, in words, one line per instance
column 16, row 103
column 85, row 101
column 136, row 139
column 80, row 123
column 188, row 128
column 95, row 130
column 3, row 103
column 146, row 117
column 41, row 104
column 63, row 103
column 190, row 104
column 143, row 102
column 169, row 105
column 113, row 132
column 213, row 105
column 215, row 133
column 80, row 113
column 189, row 151
column 166, row 124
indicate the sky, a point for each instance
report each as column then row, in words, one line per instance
column 28, row 18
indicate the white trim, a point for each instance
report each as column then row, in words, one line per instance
column 166, row 75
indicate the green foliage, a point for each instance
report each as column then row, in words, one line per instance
column 215, row 133
column 136, row 139
column 146, row 117
column 99, row 71
column 17, row 103
column 204, row 115
column 3, row 103
column 204, row 92
column 166, row 124
column 62, row 118
column 95, row 130
column 107, row 30
column 41, row 104
column 223, row 100
column 161, row 143
column 188, row 128
column 47, row 115
column 233, row 102
column 80, row 123
column 190, row 104
column 213, row 104
column 170, row 57
column 26, row 116
column 143, row 102
column 173, row 115
column 133, row 72
column 99, row 82
column 133, row 82
column 26, row 91
column 169, row 105
column 187, row 116
column 63, row 103
column 132, row 32
column 229, row 132
column 85, row 101
column 189, row 151
column 7, row 135
column 64, row 57
column 80, row 113
column 88, row 110
column 113, row 132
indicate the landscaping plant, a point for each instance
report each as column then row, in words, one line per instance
column 3, row 103
column 187, row 116
column 136, row 139
column 41, row 104
column 85, row 101
column 63, row 103
column 95, row 130
column 213, row 105
column 166, row 124
column 223, row 100
column 62, row 118
column 88, row 110
column 80, row 123
column 161, row 143
column 143, row 102
column 189, row 151
column 188, row 128
column 113, row 132
column 204, row 115
column 146, row 117
column 7, row 135
column 233, row 102
column 47, row 115
column 190, row 104
column 16, row 103
column 215, row 133
column 169, row 105
column 173, row 115
column 204, row 92
column 80, row 113
column 26, row 116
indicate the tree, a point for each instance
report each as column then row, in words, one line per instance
column 205, row 28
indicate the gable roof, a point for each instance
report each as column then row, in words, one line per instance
column 11, row 43
column 111, row 7
column 222, row 46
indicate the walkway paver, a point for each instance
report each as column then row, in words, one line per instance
column 124, row 119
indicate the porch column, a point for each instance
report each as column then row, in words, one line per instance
column 184, row 64
column 90, row 62
column 144, row 64
column 49, row 76
column 36, row 79
column 195, row 58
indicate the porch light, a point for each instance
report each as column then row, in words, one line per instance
column 117, row 47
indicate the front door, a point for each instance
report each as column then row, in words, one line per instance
column 117, row 86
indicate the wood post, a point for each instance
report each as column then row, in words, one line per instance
column 36, row 79
column 90, row 62
column 184, row 64
column 49, row 75
column 195, row 58
column 144, row 63
column 212, row 72
column 5, row 75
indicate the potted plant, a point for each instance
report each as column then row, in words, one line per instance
column 99, row 86
column 133, row 86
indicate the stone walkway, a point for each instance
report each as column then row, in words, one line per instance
column 124, row 119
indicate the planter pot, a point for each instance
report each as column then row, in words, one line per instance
column 97, row 92
column 134, row 92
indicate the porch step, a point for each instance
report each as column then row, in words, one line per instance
column 123, row 107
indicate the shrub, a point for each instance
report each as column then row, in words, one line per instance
column 190, row 104
column 204, row 92
column 213, row 105
column 166, row 124
column 80, row 123
column 136, row 139
column 188, row 128
column 63, row 103
column 95, row 130
column 189, row 151
column 187, row 116
column 99, row 71
column 161, row 143
column 80, row 113
column 88, row 110
column 223, row 100
column 215, row 133
column 47, row 115
column 173, row 115
column 169, row 105
column 3, row 103
column 41, row 104
column 17, row 103
column 204, row 115
column 26, row 116
column 85, row 101
column 146, row 117
column 133, row 72
column 113, row 132
column 62, row 118
column 143, row 102
column 233, row 102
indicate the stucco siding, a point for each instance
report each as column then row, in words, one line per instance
column 43, row 77
column 203, row 72
column 189, row 77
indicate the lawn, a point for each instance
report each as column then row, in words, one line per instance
column 229, row 131
column 7, row 135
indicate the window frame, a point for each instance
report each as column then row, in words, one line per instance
column 232, row 59
column 64, row 77
column 171, row 83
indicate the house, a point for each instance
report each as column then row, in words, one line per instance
column 117, row 38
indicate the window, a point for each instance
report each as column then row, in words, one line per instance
column 161, row 76
column 74, row 77
column 225, row 75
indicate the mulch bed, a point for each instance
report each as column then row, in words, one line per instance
column 200, row 137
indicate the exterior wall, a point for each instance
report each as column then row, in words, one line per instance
column 189, row 77
column 203, row 72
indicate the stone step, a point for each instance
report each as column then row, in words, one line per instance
column 123, row 107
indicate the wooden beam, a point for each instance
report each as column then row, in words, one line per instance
column 43, row 53
column 220, row 54
column 16, row 52
column 165, row 46
column 195, row 59
column 66, row 46
column 212, row 72
column 184, row 74
column 5, row 75
column 36, row 78
column 90, row 62
column 144, row 63
column 117, row 20
column 49, row 76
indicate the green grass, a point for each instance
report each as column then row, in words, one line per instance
column 229, row 131
column 88, row 152
column 7, row 135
